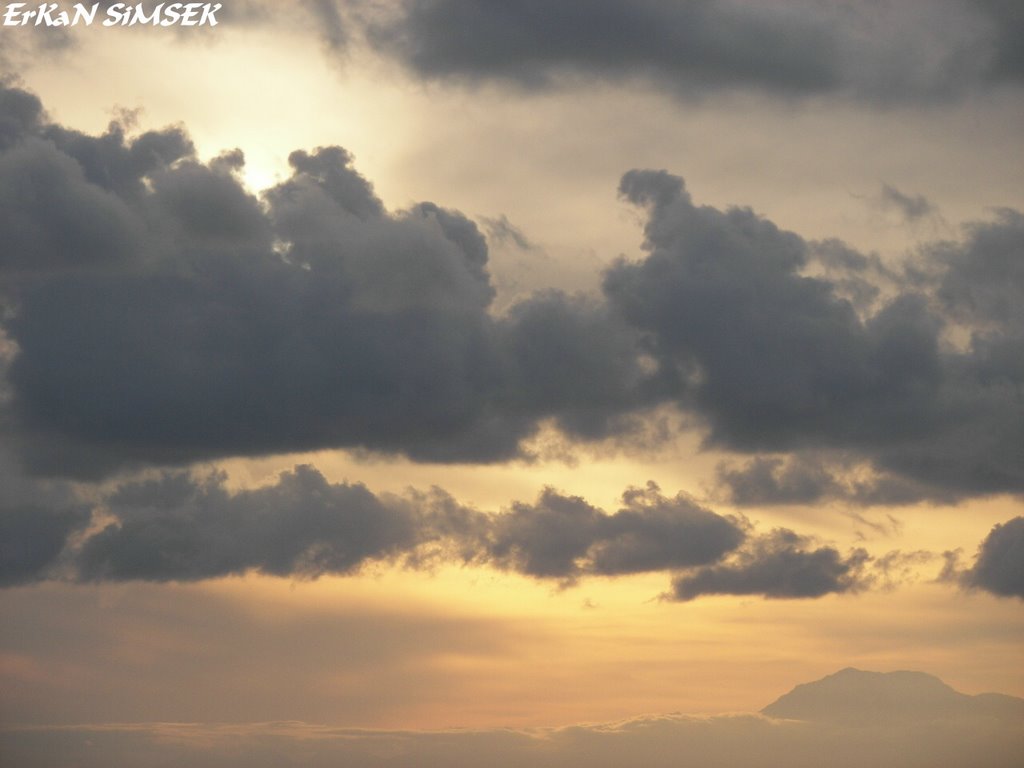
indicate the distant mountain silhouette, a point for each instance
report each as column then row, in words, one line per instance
column 855, row 697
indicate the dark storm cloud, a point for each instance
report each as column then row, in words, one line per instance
column 531, row 41
column 999, row 568
column 808, row 479
column 159, row 313
column 890, row 52
column 779, row 565
column 770, row 356
column 173, row 316
column 1007, row 21
column 21, row 113
column 983, row 279
column 767, row 480
column 775, row 360
column 32, row 538
column 564, row 537
column 183, row 529
column 38, row 519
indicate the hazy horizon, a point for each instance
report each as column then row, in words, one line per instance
column 901, row 726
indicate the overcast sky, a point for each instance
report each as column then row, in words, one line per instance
column 419, row 364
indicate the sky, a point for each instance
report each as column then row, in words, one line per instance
column 583, row 375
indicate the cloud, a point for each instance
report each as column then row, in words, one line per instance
column 892, row 53
column 183, row 529
column 781, row 564
column 32, row 537
column 159, row 313
column 911, row 207
column 809, row 478
column 38, row 520
column 565, row 537
column 773, row 480
column 999, row 568
column 530, row 42
column 502, row 230
column 776, row 360
column 1007, row 19
column 165, row 315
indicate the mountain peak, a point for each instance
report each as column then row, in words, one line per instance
column 857, row 696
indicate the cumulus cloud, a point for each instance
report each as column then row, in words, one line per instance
column 565, row 537
column 32, row 537
column 160, row 313
column 781, row 564
column 38, row 520
column 892, row 52
column 810, row 478
column 184, row 527
column 999, row 567
column 776, row 360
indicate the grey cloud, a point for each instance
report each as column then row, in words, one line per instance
column 1006, row 62
column 808, row 478
column 573, row 359
column 21, row 112
column 764, row 352
column 779, row 565
column 565, row 537
column 773, row 480
column 38, row 519
column 999, row 568
column 160, row 313
column 982, row 280
column 178, row 318
column 32, row 538
column 910, row 207
column 52, row 218
column 683, row 43
column 890, row 53
column 777, row 361
column 333, row 27
column 504, row 231
column 183, row 529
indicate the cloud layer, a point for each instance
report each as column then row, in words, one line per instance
column 888, row 53
column 157, row 312
column 181, row 527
